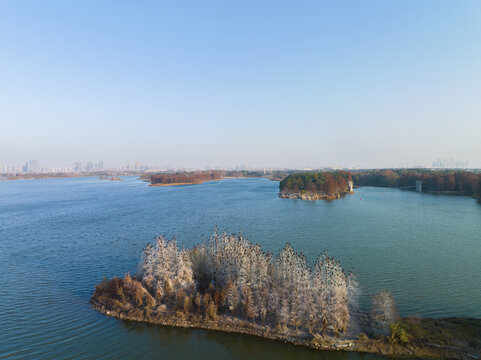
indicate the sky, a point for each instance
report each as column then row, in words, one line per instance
column 222, row 83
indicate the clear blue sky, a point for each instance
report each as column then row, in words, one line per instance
column 219, row 83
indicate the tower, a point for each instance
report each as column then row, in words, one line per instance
column 350, row 186
column 419, row 184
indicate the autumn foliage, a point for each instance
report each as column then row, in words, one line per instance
column 320, row 182
column 459, row 182
column 186, row 178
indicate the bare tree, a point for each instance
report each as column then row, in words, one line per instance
column 383, row 311
column 227, row 274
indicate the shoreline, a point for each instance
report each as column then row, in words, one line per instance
column 204, row 181
column 225, row 325
column 312, row 196
column 322, row 343
column 187, row 183
column 64, row 176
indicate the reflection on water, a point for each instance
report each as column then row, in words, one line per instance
column 216, row 345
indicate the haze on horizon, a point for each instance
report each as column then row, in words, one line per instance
column 194, row 84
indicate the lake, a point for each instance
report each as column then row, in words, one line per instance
column 59, row 237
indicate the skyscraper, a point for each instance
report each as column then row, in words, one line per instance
column 33, row 166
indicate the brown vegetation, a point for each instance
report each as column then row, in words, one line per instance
column 185, row 178
column 315, row 186
column 440, row 181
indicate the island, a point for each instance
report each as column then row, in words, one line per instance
column 113, row 178
column 316, row 185
column 228, row 284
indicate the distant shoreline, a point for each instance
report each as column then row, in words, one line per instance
column 204, row 181
column 106, row 176
column 60, row 176
column 186, row 183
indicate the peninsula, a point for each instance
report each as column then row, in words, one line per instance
column 447, row 182
column 199, row 177
column 228, row 284
column 334, row 185
column 183, row 178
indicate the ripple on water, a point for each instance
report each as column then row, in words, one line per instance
column 60, row 237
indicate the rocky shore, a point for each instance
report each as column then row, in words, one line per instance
column 309, row 196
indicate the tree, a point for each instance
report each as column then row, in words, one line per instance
column 383, row 311
column 231, row 299
column 248, row 304
column 330, row 186
column 341, row 183
column 211, row 310
column 187, row 304
column 450, row 182
column 198, row 302
column 229, row 275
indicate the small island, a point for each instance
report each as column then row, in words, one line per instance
column 228, row 284
column 183, row 178
column 113, row 178
column 316, row 185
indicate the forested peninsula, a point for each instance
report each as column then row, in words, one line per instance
column 333, row 185
column 199, row 177
column 183, row 178
column 449, row 182
column 226, row 283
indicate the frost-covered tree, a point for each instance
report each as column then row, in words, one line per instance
column 383, row 311
column 228, row 275
column 166, row 269
column 231, row 299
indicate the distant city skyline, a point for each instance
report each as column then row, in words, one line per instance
column 369, row 84
column 36, row 167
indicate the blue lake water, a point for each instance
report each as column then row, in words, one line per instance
column 59, row 237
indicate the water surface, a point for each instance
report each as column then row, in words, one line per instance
column 59, row 237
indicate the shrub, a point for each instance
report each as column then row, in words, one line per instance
column 398, row 334
column 362, row 337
